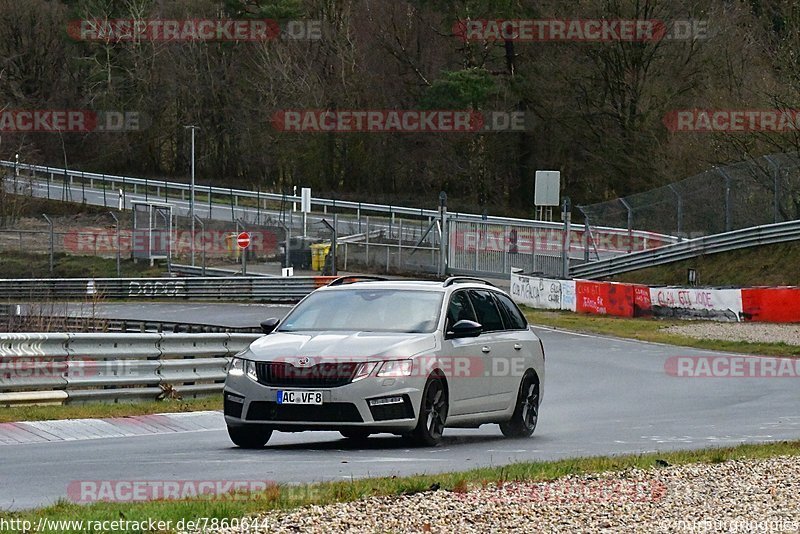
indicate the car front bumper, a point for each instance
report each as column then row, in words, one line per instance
column 250, row 403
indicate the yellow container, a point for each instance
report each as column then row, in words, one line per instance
column 318, row 253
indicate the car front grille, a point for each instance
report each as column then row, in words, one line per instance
column 322, row 375
column 332, row 412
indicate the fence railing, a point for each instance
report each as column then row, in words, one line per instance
column 737, row 239
column 254, row 289
column 73, row 368
column 236, row 197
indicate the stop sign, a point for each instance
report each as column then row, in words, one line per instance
column 243, row 240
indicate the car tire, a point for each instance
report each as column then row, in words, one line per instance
column 526, row 412
column 355, row 434
column 432, row 414
column 249, row 437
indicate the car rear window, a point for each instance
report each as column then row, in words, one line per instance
column 488, row 315
column 512, row 317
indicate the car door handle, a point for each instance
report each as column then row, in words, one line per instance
column 486, row 349
column 517, row 346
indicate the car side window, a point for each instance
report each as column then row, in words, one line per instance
column 485, row 308
column 459, row 309
column 512, row 317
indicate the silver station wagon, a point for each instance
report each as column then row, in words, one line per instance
column 364, row 355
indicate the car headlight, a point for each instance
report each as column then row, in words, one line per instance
column 250, row 370
column 236, row 367
column 396, row 368
column 364, row 370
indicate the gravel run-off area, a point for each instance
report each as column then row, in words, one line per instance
column 733, row 496
column 752, row 332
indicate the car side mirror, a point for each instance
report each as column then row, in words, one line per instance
column 269, row 325
column 465, row 328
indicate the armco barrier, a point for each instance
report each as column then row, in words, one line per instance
column 290, row 289
column 62, row 368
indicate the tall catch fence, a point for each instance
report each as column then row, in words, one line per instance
column 765, row 190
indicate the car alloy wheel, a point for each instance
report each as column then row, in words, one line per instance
column 526, row 413
column 433, row 413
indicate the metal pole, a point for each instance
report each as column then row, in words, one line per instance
column 333, row 242
column 443, row 240
column 46, row 218
column 191, row 194
column 630, row 224
column 728, row 221
column 202, row 233
column 116, row 222
column 680, row 209
column 567, row 211
column 776, row 176
column 288, row 241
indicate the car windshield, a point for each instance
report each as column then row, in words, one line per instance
column 366, row 310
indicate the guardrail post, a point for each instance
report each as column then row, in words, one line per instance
column 105, row 204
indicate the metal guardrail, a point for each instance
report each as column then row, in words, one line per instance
column 69, row 368
column 102, row 324
column 253, row 289
column 737, row 239
column 196, row 270
column 256, row 197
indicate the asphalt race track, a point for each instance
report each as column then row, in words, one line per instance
column 602, row 396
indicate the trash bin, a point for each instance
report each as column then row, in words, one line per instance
column 318, row 253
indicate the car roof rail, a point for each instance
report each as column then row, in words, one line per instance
column 459, row 279
column 356, row 278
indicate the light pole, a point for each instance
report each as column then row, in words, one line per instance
column 191, row 193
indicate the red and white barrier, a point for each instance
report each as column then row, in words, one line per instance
column 762, row 304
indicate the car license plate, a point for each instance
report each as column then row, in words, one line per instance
column 299, row 397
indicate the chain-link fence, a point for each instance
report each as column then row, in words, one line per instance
column 751, row 193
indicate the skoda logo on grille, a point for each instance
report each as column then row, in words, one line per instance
column 303, row 361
